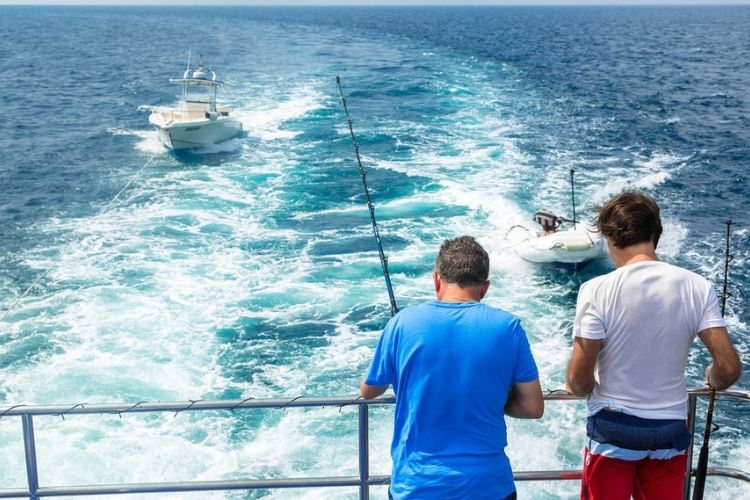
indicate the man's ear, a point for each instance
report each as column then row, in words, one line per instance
column 436, row 281
column 485, row 287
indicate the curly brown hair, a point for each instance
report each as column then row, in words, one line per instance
column 630, row 218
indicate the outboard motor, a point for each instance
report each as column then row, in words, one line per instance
column 549, row 221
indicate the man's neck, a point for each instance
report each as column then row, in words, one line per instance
column 631, row 254
column 449, row 292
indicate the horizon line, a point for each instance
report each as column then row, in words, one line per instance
column 377, row 3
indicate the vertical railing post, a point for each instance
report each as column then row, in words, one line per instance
column 692, row 399
column 364, row 452
column 30, row 451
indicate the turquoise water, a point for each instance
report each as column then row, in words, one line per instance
column 249, row 269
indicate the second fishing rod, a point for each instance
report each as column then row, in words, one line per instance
column 702, row 468
column 370, row 206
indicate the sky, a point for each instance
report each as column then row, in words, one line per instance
column 373, row 2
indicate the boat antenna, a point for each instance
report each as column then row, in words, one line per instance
column 183, row 106
column 573, row 196
column 363, row 174
column 700, row 473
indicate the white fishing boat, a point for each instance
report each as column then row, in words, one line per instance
column 578, row 244
column 197, row 120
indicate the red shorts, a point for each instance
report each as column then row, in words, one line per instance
column 647, row 479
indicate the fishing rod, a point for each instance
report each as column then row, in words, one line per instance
column 363, row 174
column 727, row 259
column 573, row 196
column 700, row 473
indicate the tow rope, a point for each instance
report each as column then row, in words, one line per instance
column 48, row 268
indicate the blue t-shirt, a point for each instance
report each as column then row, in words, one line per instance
column 451, row 366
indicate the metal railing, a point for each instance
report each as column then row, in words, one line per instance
column 363, row 481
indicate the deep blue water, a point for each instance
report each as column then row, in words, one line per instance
column 249, row 269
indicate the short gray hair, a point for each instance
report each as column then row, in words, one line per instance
column 463, row 261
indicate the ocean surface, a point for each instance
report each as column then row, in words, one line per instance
column 249, row 269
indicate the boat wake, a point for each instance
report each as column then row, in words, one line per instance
column 266, row 121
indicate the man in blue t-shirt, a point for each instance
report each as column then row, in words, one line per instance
column 457, row 368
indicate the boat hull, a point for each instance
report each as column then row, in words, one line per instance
column 196, row 134
column 571, row 246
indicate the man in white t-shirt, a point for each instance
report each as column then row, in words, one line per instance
column 632, row 333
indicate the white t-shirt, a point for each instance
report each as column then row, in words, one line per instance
column 647, row 313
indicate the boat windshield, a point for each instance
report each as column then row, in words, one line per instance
column 200, row 93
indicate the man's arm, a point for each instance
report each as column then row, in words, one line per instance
column 525, row 400
column 371, row 391
column 726, row 368
column 580, row 378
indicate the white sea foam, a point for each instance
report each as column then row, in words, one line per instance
column 148, row 139
column 673, row 238
column 265, row 119
column 149, row 142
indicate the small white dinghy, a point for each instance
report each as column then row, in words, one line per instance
column 578, row 244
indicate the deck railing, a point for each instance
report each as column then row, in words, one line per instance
column 363, row 481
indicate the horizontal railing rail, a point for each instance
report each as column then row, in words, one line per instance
column 363, row 481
